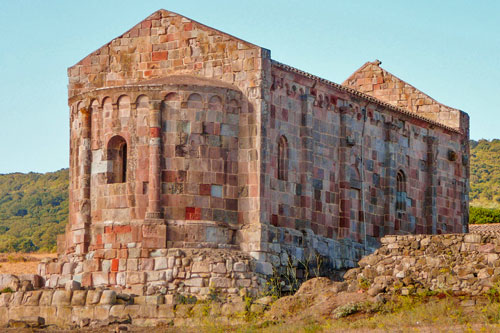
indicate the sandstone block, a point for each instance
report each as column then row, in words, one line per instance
column 73, row 285
column 93, row 297
column 220, row 282
column 32, row 298
column 472, row 238
column 264, row 268
column 243, row 283
column 239, row 267
column 4, row 316
column 101, row 312
column 171, row 262
column 100, row 278
column 54, row 268
column 170, row 299
column 169, row 275
column 194, row 282
column 64, row 315
column 160, row 263
column 17, row 298
column 46, row 297
column 132, row 310
column 68, row 268
column 26, row 286
column 132, row 264
column 155, row 276
column 121, row 278
column 106, row 266
column 79, row 297
column 36, row 280
column 118, row 311
column 134, row 252
column 5, row 299
column 136, row 278
column 9, row 281
column 148, row 311
column 108, row 297
column 147, row 264
column 200, row 267
column 61, row 298
column 219, row 268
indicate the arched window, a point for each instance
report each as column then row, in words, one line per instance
column 117, row 154
column 283, row 158
column 400, row 191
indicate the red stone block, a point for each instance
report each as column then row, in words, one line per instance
column 114, row 265
column 188, row 26
column 205, row 189
column 274, row 220
column 231, row 204
column 155, row 132
column 344, row 222
column 193, row 213
column 159, row 55
column 119, row 229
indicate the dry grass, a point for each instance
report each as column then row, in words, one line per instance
column 21, row 263
column 402, row 315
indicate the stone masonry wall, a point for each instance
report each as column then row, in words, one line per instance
column 377, row 82
column 163, row 45
column 162, row 271
column 344, row 153
column 456, row 263
column 95, row 308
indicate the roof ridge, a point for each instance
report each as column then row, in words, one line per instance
column 411, row 85
column 161, row 11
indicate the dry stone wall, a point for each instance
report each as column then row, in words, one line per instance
column 457, row 263
column 81, row 308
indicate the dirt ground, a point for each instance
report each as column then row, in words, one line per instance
column 21, row 263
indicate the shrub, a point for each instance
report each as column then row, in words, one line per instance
column 479, row 215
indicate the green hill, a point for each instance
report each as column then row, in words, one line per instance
column 485, row 173
column 34, row 206
column 33, row 210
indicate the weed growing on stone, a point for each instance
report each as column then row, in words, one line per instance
column 6, row 290
column 186, row 299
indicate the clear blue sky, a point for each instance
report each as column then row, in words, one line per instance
column 448, row 49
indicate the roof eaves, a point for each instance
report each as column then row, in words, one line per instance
column 364, row 96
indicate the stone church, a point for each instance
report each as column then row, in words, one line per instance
column 198, row 161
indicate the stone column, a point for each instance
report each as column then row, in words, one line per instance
column 306, row 163
column 345, row 149
column 390, row 178
column 154, row 188
column 430, row 207
column 154, row 230
column 81, row 229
